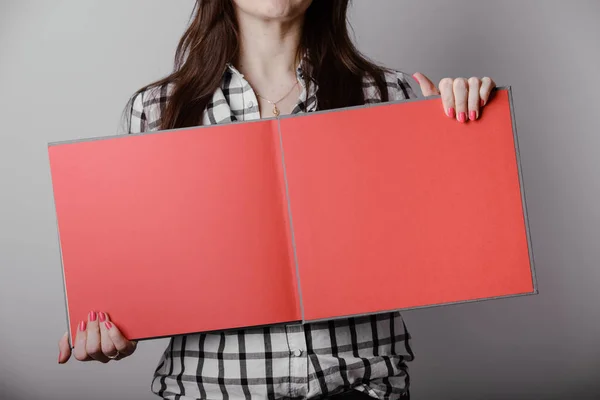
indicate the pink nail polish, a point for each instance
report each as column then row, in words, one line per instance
column 482, row 103
column 451, row 112
column 473, row 116
column 93, row 315
column 82, row 326
column 108, row 325
column 462, row 117
column 415, row 78
column 102, row 317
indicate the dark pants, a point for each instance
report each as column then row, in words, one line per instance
column 356, row 395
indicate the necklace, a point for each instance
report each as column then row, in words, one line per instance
column 276, row 110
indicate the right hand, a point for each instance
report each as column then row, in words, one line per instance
column 97, row 339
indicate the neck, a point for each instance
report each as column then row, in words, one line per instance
column 269, row 50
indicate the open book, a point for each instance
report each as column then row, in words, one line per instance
column 294, row 219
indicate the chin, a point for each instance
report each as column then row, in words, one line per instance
column 273, row 9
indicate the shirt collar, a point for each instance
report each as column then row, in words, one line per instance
column 307, row 101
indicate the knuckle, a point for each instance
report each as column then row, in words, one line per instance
column 80, row 355
column 460, row 84
column 121, row 347
column 446, row 83
column 474, row 81
column 106, row 350
column 93, row 350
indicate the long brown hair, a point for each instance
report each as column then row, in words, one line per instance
column 211, row 42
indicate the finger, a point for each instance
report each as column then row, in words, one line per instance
column 460, row 89
column 447, row 94
column 93, row 345
column 473, row 98
column 79, row 350
column 108, row 347
column 64, row 349
column 427, row 87
column 124, row 346
column 487, row 86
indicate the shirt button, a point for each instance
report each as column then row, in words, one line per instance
column 297, row 353
column 251, row 104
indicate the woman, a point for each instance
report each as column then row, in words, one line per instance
column 241, row 60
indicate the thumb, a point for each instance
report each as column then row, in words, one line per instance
column 427, row 87
column 64, row 348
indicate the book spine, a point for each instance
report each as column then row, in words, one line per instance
column 287, row 210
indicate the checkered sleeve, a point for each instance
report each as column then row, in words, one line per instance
column 137, row 121
column 398, row 87
column 405, row 90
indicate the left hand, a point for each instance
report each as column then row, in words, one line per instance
column 462, row 98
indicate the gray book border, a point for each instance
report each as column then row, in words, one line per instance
column 297, row 267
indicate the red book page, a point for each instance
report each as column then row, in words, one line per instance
column 176, row 232
column 398, row 206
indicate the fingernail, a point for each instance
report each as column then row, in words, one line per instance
column 92, row 315
column 462, row 117
column 482, row 103
column 416, row 79
column 473, row 116
column 102, row 317
column 108, row 325
column 451, row 112
column 82, row 326
column 59, row 357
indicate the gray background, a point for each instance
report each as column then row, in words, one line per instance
column 67, row 67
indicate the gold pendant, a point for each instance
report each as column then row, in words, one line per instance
column 276, row 111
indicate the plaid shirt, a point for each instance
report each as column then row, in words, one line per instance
column 367, row 354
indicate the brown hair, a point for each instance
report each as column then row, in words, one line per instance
column 211, row 42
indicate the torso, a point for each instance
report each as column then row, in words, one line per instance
column 368, row 354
